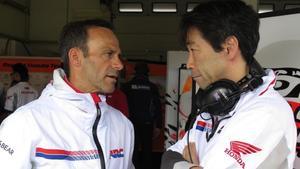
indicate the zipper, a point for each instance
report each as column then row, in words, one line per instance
column 95, row 137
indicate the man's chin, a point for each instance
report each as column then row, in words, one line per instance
column 104, row 91
column 201, row 85
column 109, row 90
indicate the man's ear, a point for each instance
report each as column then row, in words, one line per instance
column 75, row 57
column 231, row 46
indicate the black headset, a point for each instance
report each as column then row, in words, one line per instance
column 220, row 97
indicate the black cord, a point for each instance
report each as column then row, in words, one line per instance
column 190, row 127
column 208, row 136
column 214, row 127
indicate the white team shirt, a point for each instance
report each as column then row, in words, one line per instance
column 260, row 133
column 55, row 132
column 19, row 95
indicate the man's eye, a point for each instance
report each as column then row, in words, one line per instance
column 109, row 54
column 194, row 50
column 190, row 49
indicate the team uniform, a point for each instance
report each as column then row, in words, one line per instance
column 19, row 95
column 58, row 131
column 259, row 132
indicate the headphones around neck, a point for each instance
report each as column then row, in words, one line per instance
column 220, row 97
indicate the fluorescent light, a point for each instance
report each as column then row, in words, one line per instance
column 191, row 6
column 263, row 8
column 164, row 7
column 130, row 7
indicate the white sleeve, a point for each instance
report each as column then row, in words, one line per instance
column 173, row 158
column 9, row 100
column 180, row 144
column 15, row 143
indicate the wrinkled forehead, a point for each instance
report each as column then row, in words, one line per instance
column 101, row 36
column 101, row 32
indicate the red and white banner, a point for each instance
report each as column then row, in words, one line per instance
column 39, row 68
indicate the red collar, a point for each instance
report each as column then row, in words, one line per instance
column 95, row 96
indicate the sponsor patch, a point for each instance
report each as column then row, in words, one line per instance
column 117, row 153
column 6, row 148
column 203, row 126
column 237, row 148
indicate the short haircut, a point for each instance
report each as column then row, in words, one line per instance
column 22, row 70
column 141, row 68
column 219, row 19
column 74, row 35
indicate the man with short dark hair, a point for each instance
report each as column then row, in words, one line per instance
column 21, row 92
column 242, row 121
column 71, row 125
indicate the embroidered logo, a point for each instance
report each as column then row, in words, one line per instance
column 203, row 126
column 237, row 148
column 117, row 153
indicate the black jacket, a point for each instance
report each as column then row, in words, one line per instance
column 143, row 100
